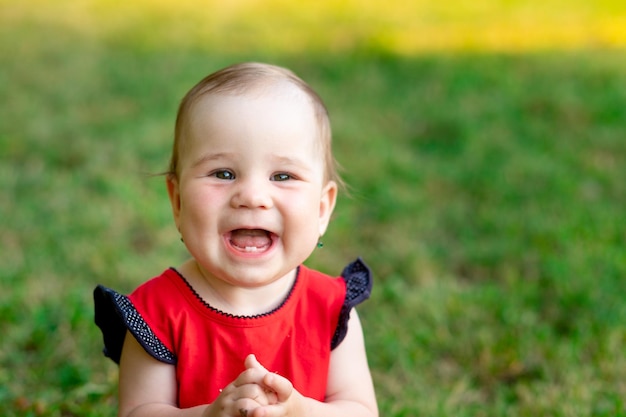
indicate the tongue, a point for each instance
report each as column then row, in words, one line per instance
column 247, row 238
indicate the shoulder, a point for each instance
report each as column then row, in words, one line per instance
column 158, row 298
column 354, row 285
column 355, row 272
column 338, row 295
column 167, row 281
column 318, row 289
column 141, row 313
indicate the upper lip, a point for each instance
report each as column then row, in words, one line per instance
column 270, row 231
column 249, row 226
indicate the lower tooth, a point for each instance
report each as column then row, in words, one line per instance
column 250, row 248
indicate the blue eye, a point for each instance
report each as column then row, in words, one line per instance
column 224, row 175
column 281, row 177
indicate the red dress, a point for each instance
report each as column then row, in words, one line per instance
column 208, row 347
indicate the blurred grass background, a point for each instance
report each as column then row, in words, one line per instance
column 484, row 143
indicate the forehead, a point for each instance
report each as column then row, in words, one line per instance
column 281, row 118
column 260, row 90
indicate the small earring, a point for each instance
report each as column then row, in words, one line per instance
column 320, row 244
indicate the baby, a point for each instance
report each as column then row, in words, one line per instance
column 243, row 328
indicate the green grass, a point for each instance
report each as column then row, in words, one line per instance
column 487, row 194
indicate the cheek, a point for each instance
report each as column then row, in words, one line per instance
column 196, row 202
column 305, row 211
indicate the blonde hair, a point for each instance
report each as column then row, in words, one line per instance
column 243, row 78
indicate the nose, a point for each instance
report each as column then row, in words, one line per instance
column 252, row 193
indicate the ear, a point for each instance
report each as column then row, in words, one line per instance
column 327, row 205
column 173, row 191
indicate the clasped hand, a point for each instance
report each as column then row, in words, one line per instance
column 255, row 393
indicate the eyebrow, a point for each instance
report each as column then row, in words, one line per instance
column 302, row 165
column 282, row 160
column 289, row 161
column 211, row 157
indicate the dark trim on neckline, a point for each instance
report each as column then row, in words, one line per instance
column 233, row 316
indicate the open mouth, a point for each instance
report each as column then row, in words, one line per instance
column 250, row 240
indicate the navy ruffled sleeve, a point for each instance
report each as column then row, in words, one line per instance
column 358, row 278
column 115, row 315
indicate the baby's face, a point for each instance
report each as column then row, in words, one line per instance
column 251, row 200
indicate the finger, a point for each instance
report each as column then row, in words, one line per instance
column 255, row 393
column 244, row 406
column 268, row 411
column 280, row 385
column 252, row 362
column 258, row 412
column 272, row 398
column 250, row 376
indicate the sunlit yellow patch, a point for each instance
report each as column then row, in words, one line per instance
column 396, row 26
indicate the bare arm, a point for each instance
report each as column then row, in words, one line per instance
column 350, row 381
column 148, row 388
